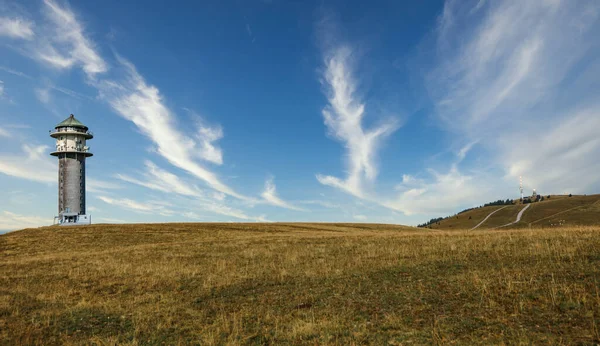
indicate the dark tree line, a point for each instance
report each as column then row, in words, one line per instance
column 431, row 222
column 499, row 202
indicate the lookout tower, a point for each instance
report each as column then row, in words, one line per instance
column 71, row 149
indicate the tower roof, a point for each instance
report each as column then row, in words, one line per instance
column 71, row 121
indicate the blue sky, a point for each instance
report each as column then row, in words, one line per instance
column 387, row 111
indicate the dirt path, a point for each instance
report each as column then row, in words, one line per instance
column 487, row 217
column 519, row 215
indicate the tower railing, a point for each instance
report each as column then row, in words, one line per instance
column 71, row 130
column 84, row 149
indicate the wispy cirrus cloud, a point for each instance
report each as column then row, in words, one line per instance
column 207, row 136
column 142, row 104
column 11, row 221
column 18, row 28
column 320, row 203
column 271, row 197
column 515, row 79
column 110, row 220
column 31, row 164
column 100, row 186
column 43, row 95
column 67, row 45
column 15, row 72
column 434, row 193
column 140, row 207
column 344, row 120
column 135, row 100
column 61, row 44
column 439, row 193
column 522, row 75
column 359, row 217
column 158, row 179
column 34, row 163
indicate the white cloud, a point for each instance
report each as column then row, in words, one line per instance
column 46, row 53
column 100, row 186
column 12, row 222
column 562, row 157
column 219, row 196
column 109, row 220
column 360, row 217
column 62, row 44
column 222, row 209
column 32, row 164
column 4, row 133
column 250, row 34
column 15, row 72
column 70, row 92
column 442, row 194
column 161, row 180
column 142, row 104
column 16, row 28
column 43, row 95
column 158, row 179
column 206, row 137
column 270, row 195
column 1, row 88
column 35, row 164
column 518, row 81
column 523, row 75
column 462, row 153
column 343, row 117
column 193, row 216
column 324, row 204
column 145, row 208
column 68, row 45
column 65, row 46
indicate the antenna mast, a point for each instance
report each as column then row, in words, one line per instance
column 521, row 186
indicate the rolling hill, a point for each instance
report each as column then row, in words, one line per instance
column 300, row 284
column 557, row 210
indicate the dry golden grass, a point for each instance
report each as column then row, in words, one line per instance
column 559, row 210
column 573, row 211
column 255, row 284
column 466, row 220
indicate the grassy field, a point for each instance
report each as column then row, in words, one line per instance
column 465, row 220
column 335, row 284
column 502, row 217
column 559, row 210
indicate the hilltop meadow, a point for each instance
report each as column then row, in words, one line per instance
column 324, row 284
column 553, row 210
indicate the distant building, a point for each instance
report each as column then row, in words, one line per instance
column 71, row 149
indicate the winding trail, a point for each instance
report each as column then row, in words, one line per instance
column 490, row 214
column 518, row 217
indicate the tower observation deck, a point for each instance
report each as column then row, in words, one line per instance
column 71, row 149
